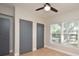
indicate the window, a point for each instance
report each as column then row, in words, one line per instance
column 71, row 33
column 56, row 32
column 65, row 33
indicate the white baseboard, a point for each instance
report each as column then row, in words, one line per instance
column 16, row 54
column 66, row 52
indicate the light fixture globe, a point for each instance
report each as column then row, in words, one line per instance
column 47, row 8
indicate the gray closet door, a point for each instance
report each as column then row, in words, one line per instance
column 4, row 36
column 40, row 35
column 25, row 36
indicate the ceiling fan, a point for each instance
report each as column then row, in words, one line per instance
column 47, row 7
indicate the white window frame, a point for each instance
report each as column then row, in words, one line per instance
column 62, row 34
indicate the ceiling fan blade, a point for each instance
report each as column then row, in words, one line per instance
column 53, row 9
column 39, row 8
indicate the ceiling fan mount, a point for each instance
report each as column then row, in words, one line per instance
column 47, row 7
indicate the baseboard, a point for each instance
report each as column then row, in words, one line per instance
column 66, row 52
column 16, row 54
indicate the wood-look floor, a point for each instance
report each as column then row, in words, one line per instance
column 44, row 52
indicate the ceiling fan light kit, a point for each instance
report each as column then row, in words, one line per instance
column 47, row 8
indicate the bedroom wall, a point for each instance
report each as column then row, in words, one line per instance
column 6, row 9
column 21, row 12
column 72, row 15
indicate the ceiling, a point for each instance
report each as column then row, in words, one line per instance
column 61, row 7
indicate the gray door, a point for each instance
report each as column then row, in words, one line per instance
column 25, row 36
column 4, row 36
column 40, row 35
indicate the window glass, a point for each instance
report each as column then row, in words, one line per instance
column 56, row 32
column 71, row 33
column 65, row 33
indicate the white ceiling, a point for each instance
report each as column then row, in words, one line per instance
column 61, row 7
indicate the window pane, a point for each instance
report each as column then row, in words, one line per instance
column 71, row 33
column 65, row 33
column 56, row 32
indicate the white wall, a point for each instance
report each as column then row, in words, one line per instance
column 21, row 12
column 72, row 15
column 6, row 9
